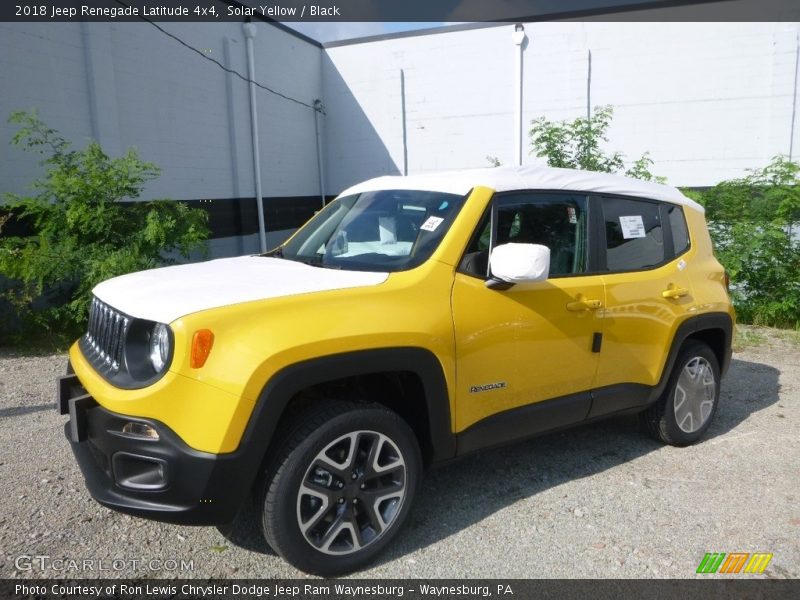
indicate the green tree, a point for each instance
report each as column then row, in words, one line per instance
column 754, row 224
column 754, row 220
column 81, row 233
column 576, row 144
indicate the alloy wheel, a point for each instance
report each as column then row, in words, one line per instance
column 352, row 492
column 695, row 392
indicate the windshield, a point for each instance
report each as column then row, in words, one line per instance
column 387, row 230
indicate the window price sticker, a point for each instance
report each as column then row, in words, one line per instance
column 573, row 218
column 632, row 227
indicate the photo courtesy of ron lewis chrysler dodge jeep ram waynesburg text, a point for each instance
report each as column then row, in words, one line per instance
column 412, row 320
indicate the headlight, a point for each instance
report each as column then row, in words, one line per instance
column 159, row 347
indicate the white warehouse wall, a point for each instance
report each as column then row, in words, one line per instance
column 184, row 113
column 707, row 100
column 128, row 84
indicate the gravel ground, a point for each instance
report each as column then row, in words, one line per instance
column 599, row 501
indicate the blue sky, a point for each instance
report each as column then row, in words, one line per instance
column 329, row 32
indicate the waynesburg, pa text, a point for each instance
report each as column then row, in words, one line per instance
column 273, row 590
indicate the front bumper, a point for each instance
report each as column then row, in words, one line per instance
column 161, row 479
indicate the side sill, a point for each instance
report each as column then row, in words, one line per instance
column 523, row 422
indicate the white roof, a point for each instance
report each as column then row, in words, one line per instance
column 531, row 177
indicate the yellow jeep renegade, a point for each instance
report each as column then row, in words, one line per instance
column 411, row 321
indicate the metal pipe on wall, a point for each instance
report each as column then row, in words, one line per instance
column 230, row 86
column 403, row 120
column 249, row 33
column 589, row 85
column 794, row 95
column 518, row 37
column 319, row 109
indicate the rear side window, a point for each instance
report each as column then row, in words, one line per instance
column 634, row 234
column 680, row 232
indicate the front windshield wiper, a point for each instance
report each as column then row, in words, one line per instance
column 313, row 261
column 276, row 253
column 316, row 261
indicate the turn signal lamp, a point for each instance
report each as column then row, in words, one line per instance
column 202, row 341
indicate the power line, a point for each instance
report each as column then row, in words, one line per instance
column 221, row 66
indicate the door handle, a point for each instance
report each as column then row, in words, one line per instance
column 580, row 303
column 674, row 292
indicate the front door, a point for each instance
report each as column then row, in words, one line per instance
column 533, row 342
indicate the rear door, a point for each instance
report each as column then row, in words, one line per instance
column 648, row 293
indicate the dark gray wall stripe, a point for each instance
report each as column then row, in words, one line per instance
column 228, row 217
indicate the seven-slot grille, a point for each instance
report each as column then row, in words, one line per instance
column 106, row 334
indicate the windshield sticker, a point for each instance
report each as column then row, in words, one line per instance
column 431, row 224
column 632, row 227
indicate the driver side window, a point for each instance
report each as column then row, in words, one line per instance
column 558, row 221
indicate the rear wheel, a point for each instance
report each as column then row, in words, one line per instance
column 684, row 412
column 340, row 488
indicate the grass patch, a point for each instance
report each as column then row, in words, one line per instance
column 788, row 335
column 748, row 336
column 753, row 336
column 38, row 345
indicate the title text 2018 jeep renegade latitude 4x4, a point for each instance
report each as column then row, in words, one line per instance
column 412, row 320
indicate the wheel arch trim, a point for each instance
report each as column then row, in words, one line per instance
column 692, row 326
column 284, row 385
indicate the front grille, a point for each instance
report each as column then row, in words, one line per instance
column 106, row 334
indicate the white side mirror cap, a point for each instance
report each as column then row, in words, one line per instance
column 520, row 263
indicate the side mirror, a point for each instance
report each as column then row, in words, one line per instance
column 518, row 263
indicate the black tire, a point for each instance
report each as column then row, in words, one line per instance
column 678, row 427
column 343, row 506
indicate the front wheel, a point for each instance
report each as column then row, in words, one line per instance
column 684, row 412
column 341, row 487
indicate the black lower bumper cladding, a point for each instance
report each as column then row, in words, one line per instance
column 161, row 479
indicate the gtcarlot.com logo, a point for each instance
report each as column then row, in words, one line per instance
column 735, row 562
column 44, row 562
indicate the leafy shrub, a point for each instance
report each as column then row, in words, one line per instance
column 81, row 233
column 755, row 224
column 754, row 221
column 576, row 144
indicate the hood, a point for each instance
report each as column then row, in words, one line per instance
column 168, row 293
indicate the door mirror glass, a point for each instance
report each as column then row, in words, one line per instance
column 520, row 263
